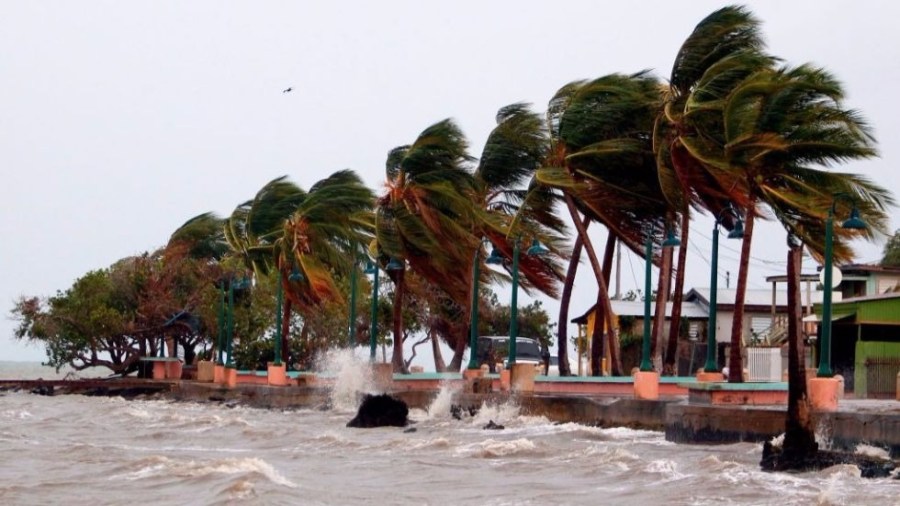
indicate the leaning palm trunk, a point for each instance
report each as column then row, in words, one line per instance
column 662, row 296
column 439, row 365
column 735, row 357
column 670, row 367
column 603, row 292
column 399, row 365
column 601, row 336
column 799, row 436
column 562, row 327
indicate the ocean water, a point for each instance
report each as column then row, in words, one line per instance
column 88, row 450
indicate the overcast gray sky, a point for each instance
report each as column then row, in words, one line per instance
column 121, row 120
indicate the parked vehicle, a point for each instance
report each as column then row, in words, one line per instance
column 493, row 350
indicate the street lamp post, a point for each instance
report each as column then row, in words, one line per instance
column 670, row 241
column 856, row 223
column 279, row 301
column 473, row 323
column 229, row 326
column 220, row 339
column 351, row 334
column 372, row 268
column 736, row 233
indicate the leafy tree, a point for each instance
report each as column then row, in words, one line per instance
column 891, row 256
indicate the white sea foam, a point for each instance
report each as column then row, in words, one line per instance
column 352, row 377
column 872, row 451
column 494, row 448
column 158, row 465
column 440, row 406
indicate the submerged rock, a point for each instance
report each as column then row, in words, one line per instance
column 773, row 459
column 380, row 411
column 457, row 411
column 493, row 426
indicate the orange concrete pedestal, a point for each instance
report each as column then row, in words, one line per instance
column 173, row 369
column 823, row 393
column 898, row 386
column 521, row 378
column 646, row 385
column 276, row 375
column 383, row 375
column 230, row 377
column 504, row 380
column 159, row 370
column 219, row 374
column 206, row 371
column 472, row 373
column 706, row 377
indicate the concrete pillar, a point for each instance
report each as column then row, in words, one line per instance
column 159, row 370
column 173, row 369
column 219, row 374
column 522, row 377
column 206, row 371
column 708, row 377
column 823, row 393
column 646, row 385
column 230, row 377
column 472, row 373
column 383, row 374
column 276, row 375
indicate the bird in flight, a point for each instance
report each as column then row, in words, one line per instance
column 288, row 90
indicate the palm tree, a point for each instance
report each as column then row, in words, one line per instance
column 602, row 154
column 510, row 203
column 777, row 124
column 425, row 217
column 723, row 48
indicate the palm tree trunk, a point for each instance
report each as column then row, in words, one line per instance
column 600, row 321
column 439, row 365
column 562, row 327
column 659, row 317
column 397, row 355
column 799, row 435
column 458, row 351
column 603, row 292
column 735, row 357
column 670, row 367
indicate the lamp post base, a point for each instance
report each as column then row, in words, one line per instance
column 522, row 378
column 709, row 377
column 383, row 375
column 219, row 375
column 824, row 393
column 230, row 377
column 276, row 375
column 646, row 385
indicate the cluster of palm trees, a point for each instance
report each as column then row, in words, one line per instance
column 732, row 127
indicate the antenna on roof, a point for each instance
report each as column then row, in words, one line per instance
column 727, row 279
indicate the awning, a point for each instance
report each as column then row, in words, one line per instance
column 834, row 317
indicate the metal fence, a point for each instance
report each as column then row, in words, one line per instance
column 881, row 377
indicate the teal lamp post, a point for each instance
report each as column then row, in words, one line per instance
column 372, row 268
column 670, row 241
column 220, row 338
column 535, row 250
column 279, row 301
column 229, row 326
column 736, row 233
column 351, row 334
column 855, row 223
column 473, row 320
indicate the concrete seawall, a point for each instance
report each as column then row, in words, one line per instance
column 876, row 423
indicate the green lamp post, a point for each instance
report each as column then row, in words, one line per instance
column 351, row 334
column 229, row 326
column 736, row 233
column 670, row 241
column 856, row 223
column 220, row 339
column 372, row 268
column 473, row 321
column 279, row 301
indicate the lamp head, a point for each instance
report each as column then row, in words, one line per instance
column 394, row 265
column 495, row 257
column 537, row 249
column 371, row 268
column 738, row 231
column 671, row 240
column 854, row 222
column 295, row 275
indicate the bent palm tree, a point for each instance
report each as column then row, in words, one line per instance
column 425, row 217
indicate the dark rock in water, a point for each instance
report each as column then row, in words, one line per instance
column 773, row 459
column 493, row 426
column 457, row 411
column 43, row 390
column 380, row 411
column 409, row 430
